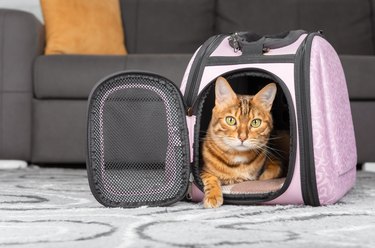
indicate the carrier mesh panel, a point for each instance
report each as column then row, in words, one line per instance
column 138, row 148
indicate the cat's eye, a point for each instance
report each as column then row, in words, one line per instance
column 231, row 121
column 256, row 123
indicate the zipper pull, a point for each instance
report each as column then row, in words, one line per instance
column 189, row 111
column 189, row 191
column 233, row 42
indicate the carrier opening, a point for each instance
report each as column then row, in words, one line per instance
column 280, row 144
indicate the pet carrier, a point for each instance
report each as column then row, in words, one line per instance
column 145, row 135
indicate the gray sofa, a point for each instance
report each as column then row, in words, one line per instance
column 43, row 98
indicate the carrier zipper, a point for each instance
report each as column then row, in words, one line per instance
column 193, row 108
column 190, row 187
column 208, row 47
column 308, row 181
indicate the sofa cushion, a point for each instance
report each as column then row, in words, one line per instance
column 346, row 23
column 167, row 26
column 74, row 76
column 171, row 66
column 83, row 27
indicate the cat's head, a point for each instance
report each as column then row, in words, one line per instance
column 241, row 122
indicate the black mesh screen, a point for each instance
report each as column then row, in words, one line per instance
column 138, row 147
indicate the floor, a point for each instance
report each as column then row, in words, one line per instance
column 55, row 208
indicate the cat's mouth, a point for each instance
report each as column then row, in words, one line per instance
column 247, row 146
column 237, row 145
column 242, row 147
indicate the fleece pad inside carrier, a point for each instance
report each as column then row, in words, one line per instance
column 254, row 187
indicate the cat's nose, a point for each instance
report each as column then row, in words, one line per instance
column 242, row 137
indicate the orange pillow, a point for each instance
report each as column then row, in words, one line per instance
column 83, row 27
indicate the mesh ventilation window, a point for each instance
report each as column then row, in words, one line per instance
column 137, row 140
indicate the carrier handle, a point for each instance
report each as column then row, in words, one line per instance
column 252, row 43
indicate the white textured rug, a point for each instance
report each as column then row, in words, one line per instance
column 55, row 208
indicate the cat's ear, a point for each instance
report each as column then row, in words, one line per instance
column 224, row 95
column 266, row 96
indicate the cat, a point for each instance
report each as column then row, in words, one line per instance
column 235, row 147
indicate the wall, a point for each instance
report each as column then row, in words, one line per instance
column 32, row 6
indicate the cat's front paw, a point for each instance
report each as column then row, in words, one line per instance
column 213, row 201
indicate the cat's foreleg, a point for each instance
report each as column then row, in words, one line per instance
column 272, row 170
column 213, row 196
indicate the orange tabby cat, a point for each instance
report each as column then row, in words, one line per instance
column 235, row 147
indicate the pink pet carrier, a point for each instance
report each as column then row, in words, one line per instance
column 145, row 135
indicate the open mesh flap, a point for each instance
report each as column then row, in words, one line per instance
column 137, row 140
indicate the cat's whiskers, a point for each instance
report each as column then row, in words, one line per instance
column 263, row 149
column 275, row 138
column 272, row 149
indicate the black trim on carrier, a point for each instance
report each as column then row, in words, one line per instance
column 243, row 59
column 302, row 84
column 247, row 198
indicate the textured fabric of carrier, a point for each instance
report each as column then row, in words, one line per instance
column 333, row 136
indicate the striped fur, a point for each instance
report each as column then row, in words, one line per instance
column 237, row 153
